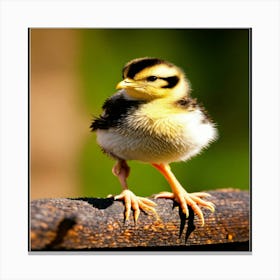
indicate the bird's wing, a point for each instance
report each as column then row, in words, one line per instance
column 115, row 110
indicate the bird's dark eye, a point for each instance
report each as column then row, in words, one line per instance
column 151, row 78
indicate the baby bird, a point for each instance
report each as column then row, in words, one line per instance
column 153, row 119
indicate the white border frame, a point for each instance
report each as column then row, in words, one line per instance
column 17, row 16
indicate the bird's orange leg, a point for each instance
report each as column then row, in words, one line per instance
column 181, row 195
column 131, row 201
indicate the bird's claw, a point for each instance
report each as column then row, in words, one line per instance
column 192, row 199
column 136, row 203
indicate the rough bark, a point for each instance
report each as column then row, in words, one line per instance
column 98, row 224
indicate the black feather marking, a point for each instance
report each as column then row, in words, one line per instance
column 172, row 81
column 116, row 108
column 137, row 66
column 191, row 104
column 188, row 103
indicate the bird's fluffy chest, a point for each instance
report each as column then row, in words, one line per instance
column 159, row 134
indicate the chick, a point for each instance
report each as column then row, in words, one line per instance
column 153, row 119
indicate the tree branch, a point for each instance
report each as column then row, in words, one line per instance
column 98, row 224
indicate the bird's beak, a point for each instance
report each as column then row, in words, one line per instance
column 125, row 84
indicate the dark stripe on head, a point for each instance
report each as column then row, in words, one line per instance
column 135, row 67
column 172, row 81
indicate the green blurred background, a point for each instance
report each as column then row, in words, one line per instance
column 216, row 61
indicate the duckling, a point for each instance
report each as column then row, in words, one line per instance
column 153, row 119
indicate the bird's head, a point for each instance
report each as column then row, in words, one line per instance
column 150, row 78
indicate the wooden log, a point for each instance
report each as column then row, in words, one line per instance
column 98, row 224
